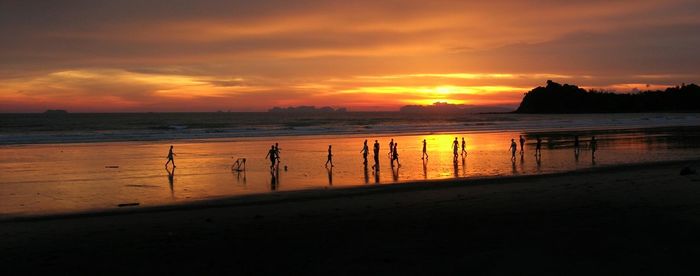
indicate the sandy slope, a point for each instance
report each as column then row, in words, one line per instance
column 630, row 220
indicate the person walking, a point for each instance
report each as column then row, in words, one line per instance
column 391, row 147
column 171, row 157
column 513, row 149
column 395, row 155
column 376, row 155
column 464, row 147
column 455, row 148
column 330, row 157
column 272, row 154
column 425, row 150
column 365, row 152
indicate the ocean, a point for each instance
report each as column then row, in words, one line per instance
column 71, row 128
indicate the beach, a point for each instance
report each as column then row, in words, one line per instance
column 625, row 219
column 55, row 178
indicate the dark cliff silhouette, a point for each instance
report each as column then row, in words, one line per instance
column 557, row 98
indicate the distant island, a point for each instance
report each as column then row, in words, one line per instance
column 307, row 109
column 557, row 98
column 447, row 108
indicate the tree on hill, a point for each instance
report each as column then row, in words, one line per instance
column 557, row 98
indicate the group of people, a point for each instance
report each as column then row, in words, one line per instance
column 274, row 153
column 455, row 148
column 593, row 145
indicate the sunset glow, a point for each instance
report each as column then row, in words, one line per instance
column 363, row 55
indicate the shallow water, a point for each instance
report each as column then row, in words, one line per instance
column 57, row 178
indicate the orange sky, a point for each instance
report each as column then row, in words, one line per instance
column 130, row 56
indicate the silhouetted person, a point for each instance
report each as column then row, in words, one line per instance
column 277, row 152
column 455, row 149
column 577, row 146
column 171, row 156
column 391, row 147
column 376, row 155
column 594, row 146
column 425, row 150
column 330, row 157
column 538, row 147
column 513, row 149
column 272, row 154
column 365, row 152
column 522, row 144
column 395, row 155
column 464, row 147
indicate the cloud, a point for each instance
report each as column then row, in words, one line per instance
column 141, row 53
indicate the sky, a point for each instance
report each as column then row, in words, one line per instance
column 175, row 56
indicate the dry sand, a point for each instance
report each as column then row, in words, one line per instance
column 638, row 219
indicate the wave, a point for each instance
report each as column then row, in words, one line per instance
column 85, row 128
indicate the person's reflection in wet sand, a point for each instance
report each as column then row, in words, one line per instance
column 395, row 173
column 376, row 175
column 456, row 167
column 425, row 169
column 464, row 166
column 330, row 175
column 538, row 160
column 274, row 180
column 171, row 181
column 366, row 174
column 515, row 169
column 240, row 177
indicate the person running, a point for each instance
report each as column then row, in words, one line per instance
column 365, row 152
column 513, row 149
column 425, row 150
column 395, row 155
column 455, row 148
column 522, row 144
column 464, row 147
column 376, row 155
column 594, row 146
column 391, row 147
column 330, row 157
column 272, row 154
column 538, row 147
column 171, row 157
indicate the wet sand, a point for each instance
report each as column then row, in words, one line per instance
column 62, row 178
column 632, row 219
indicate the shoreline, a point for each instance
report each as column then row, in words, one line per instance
column 330, row 193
